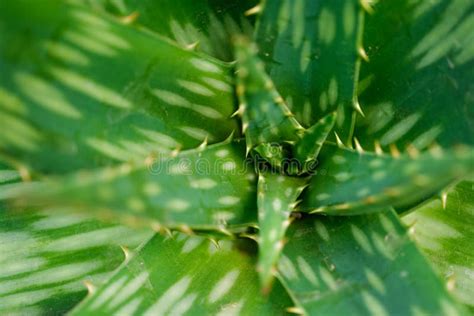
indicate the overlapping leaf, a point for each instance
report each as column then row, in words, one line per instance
column 276, row 200
column 446, row 237
column 186, row 275
column 48, row 257
column 311, row 53
column 417, row 87
column 82, row 90
column 207, row 26
column 364, row 265
column 265, row 116
column 349, row 182
column 206, row 188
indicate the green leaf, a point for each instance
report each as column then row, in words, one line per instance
column 277, row 196
column 186, row 275
column 310, row 50
column 81, row 90
column 417, row 87
column 265, row 117
column 364, row 265
column 205, row 188
column 209, row 25
column 307, row 149
column 350, row 182
column 446, row 237
column 48, row 258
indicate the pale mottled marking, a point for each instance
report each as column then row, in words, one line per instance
column 160, row 138
column 51, row 275
column 273, row 234
column 87, row 240
column 223, row 216
column 363, row 192
column 339, row 159
column 16, row 265
column 129, row 308
column 228, row 200
column 58, row 221
column 196, row 133
column 178, row 205
column 169, row 298
column 171, row 98
column 180, row 168
column 223, row 286
column 205, row 65
column 286, row 267
column 207, row 111
column 46, row 95
column 24, row 299
column 85, row 42
column 276, row 204
column 204, row 183
column 349, row 19
column 232, row 309
column 322, row 196
column 379, row 175
column 129, row 289
column 327, row 26
column 91, row 88
column 342, row 176
column 307, row 271
column 196, row 88
column 322, row 230
column 361, row 239
column 332, row 91
column 135, row 204
column 184, row 305
column 375, row 281
column 288, row 192
column 190, row 244
column 376, row 163
column 105, row 192
column 217, row 84
column 67, row 53
column 222, row 153
column 151, row 188
column 327, row 278
column 90, row 20
column 374, row 306
column 400, row 129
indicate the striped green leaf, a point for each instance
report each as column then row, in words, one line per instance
column 205, row 188
column 310, row 48
column 49, row 258
column 446, row 237
column 418, row 83
column 204, row 25
column 364, row 265
column 186, row 275
column 81, row 90
column 350, row 182
column 277, row 196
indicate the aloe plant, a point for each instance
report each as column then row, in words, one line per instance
column 236, row 157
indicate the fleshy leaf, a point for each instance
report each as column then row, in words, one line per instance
column 421, row 60
column 265, row 117
column 350, row 182
column 312, row 50
column 307, row 149
column 49, row 257
column 277, row 196
column 364, row 265
column 81, row 90
column 207, row 26
column 186, row 275
column 446, row 237
column 205, row 188
column 273, row 153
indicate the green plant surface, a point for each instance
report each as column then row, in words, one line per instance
column 203, row 25
column 418, row 82
column 351, row 182
column 365, row 265
column 84, row 88
column 446, row 236
column 312, row 50
column 49, row 258
column 276, row 197
column 181, row 274
column 204, row 188
column 265, row 116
